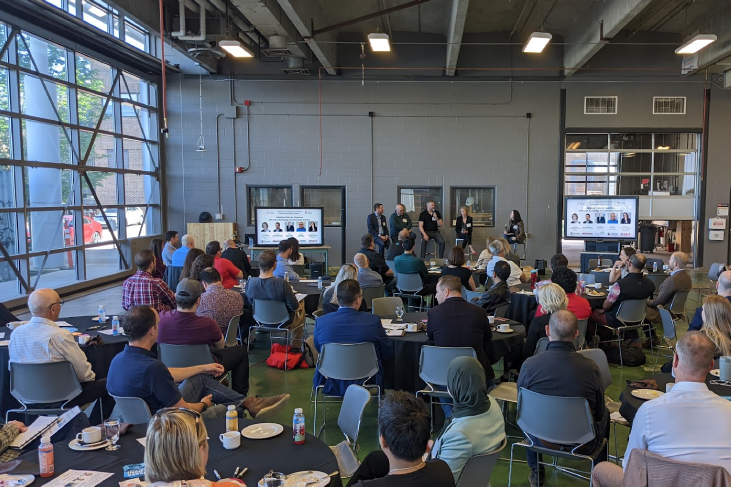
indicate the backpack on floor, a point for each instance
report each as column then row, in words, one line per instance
column 280, row 353
column 631, row 357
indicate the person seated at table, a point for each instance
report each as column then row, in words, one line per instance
column 562, row 371
column 187, row 244
column 567, row 279
column 190, row 259
column 218, row 303
column 723, row 287
column 515, row 229
column 552, row 298
column 457, row 323
column 509, row 254
column 237, row 257
column 171, row 245
column 498, row 255
column 558, row 260
column 476, row 425
column 230, row 274
column 408, row 263
column 136, row 372
column 269, row 287
column 42, row 341
column 366, row 276
column 295, row 258
column 8, row 432
column 183, row 326
column 176, row 450
column 620, row 269
column 404, row 431
column 284, row 268
column 143, row 289
column 463, row 228
column 348, row 325
column 377, row 227
column 156, row 247
column 456, row 267
column 6, row 316
column 634, row 286
column 330, row 296
column 485, row 255
column 398, row 247
column 376, row 261
column 499, row 293
column 679, row 281
column 400, row 221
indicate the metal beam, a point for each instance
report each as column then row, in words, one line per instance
column 602, row 22
column 720, row 24
column 301, row 13
column 369, row 16
column 455, row 28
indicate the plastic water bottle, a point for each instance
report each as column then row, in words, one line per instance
column 582, row 286
column 298, row 427
column 102, row 314
column 115, row 325
column 45, row 457
column 319, row 283
column 232, row 419
column 286, row 276
column 654, row 266
column 599, row 260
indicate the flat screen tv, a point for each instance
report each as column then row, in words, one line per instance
column 276, row 224
column 601, row 217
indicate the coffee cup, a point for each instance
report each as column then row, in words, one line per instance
column 15, row 324
column 503, row 327
column 724, row 365
column 491, row 319
column 669, row 386
column 433, row 263
column 412, row 327
column 92, row 434
column 231, row 440
column 598, row 285
column 83, row 339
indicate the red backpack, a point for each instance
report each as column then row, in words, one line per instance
column 294, row 360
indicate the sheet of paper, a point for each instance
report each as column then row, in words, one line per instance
column 300, row 296
column 36, row 428
column 64, row 419
column 109, row 331
column 394, row 333
column 307, row 280
column 64, row 324
column 79, row 478
column 386, row 321
column 143, row 441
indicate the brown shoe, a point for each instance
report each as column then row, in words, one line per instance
column 656, row 341
column 634, row 344
column 265, row 407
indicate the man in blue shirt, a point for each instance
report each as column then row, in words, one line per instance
column 723, row 285
column 283, row 267
column 137, row 373
column 171, row 243
column 178, row 258
column 366, row 276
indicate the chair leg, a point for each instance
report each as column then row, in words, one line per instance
column 510, row 470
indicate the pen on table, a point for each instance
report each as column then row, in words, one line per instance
column 218, row 476
column 243, row 471
column 236, row 472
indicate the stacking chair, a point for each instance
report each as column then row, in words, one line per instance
column 470, row 295
column 355, row 400
column 631, row 313
column 391, row 265
column 272, row 316
column 657, row 279
column 232, row 332
column 571, row 423
column 371, row 293
column 713, row 271
column 345, row 361
column 42, row 384
column 409, row 286
column 677, row 306
column 385, row 306
column 185, row 355
column 580, row 340
column 133, row 410
column 542, row 345
column 433, row 365
column 501, row 311
column 669, row 334
column 601, row 277
column 588, row 278
column 478, row 469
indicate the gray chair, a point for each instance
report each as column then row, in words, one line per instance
column 601, row 277
column 501, row 311
column 355, row 400
column 593, row 264
column 299, row 269
column 588, row 278
column 470, row 295
column 713, row 272
column 669, row 334
column 272, row 316
column 371, row 293
column 657, row 279
column 409, row 286
column 631, row 314
column 478, row 469
column 133, row 410
column 391, row 265
column 385, row 306
column 345, row 361
column 542, row 345
column 677, row 306
column 571, row 423
column 43, row 384
column 580, row 340
column 232, row 332
column 174, row 356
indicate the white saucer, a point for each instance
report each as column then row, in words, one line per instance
column 647, row 394
column 716, row 372
column 262, row 431
column 19, row 480
column 75, row 445
column 318, row 479
column 509, row 330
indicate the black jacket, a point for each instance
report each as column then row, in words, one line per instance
column 376, row 262
column 239, row 259
column 494, row 297
column 536, row 331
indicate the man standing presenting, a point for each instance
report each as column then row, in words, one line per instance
column 171, row 245
column 399, row 221
column 430, row 220
column 377, row 227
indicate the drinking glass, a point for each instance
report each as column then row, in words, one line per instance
column 274, row 479
column 111, row 427
column 399, row 313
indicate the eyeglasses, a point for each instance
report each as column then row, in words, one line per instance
column 60, row 303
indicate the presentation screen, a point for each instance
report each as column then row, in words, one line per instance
column 601, row 217
column 276, row 224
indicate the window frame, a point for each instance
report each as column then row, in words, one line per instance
column 250, row 211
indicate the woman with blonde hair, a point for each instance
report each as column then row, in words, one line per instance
column 330, row 297
column 716, row 316
column 509, row 255
column 464, row 229
column 552, row 298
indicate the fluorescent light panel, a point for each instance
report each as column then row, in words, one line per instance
column 235, row 48
column 695, row 44
column 537, row 42
column 379, row 42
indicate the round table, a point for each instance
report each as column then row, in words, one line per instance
column 99, row 356
column 523, row 304
column 402, row 371
column 279, row 454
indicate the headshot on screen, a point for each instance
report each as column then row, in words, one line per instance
column 625, row 218
column 312, row 227
column 574, row 218
column 301, row 227
column 265, row 227
column 278, row 227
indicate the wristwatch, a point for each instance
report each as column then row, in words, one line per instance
column 205, row 406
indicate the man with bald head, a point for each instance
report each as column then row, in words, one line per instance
column 562, row 371
column 723, row 285
column 398, row 247
column 237, row 256
column 366, row 276
column 42, row 341
column 679, row 281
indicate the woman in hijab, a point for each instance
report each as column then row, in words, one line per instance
column 476, row 425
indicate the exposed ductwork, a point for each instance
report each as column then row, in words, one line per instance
column 245, row 34
column 296, row 65
column 202, row 35
column 277, row 47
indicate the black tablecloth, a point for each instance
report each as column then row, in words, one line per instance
column 402, row 371
column 99, row 356
column 630, row 404
column 279, row 454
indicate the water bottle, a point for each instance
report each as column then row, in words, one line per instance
column 582, row 285
column 298, row 427
column 102, row 314
column 45, row 457
column 319, row 283
column 115, row 325
column 599, row 261
column 533, row 279
column 232, row 419
column 286, row 276
column 654, row 266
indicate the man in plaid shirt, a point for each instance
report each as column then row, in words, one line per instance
column 143, row 289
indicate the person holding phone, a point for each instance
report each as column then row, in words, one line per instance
column 464, row 229
column 430, row 220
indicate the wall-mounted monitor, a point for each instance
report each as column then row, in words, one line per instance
column 276, row 224
column 601, row 217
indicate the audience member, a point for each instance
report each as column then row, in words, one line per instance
column 716, row 314
column 562, row 371
column 295, row 258
column 348, row 325
column 456, row 267
column 620, row 269
column 485, row 255
column 190, row 258
column 218, row 303
column 230, row 274
column 237, row 256
column 398, row 246
column 498, row 254
column 509, row 254
column 8, row 432
column 187, row 243
column 376, row 261
column 499, row 293
column 723, row 286
column 378, row 229
column 399, row 221
column 202, row 262
column 143, row 289
column 404, row 430
column 366, row 276
column 330, row 296
column 136, row 372
column 553, row 298
column 183, row 326
column 156, row 247
column 515, row 230
column 567, row 279
column 283, row 268
column 171, row 245
column 430, row 220
column 408, row 263
column 679, row 281
column 463, row 229
column 558, row 260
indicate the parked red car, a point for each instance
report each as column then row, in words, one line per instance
column 92, row 230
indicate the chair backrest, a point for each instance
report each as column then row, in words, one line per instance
column 581, row 339
column 371, row 293
column 391, row 265
column 649, row 262
column 602, row 277
column 385, row 306
column 632, row 310
column 318, row 312
column 133, row 409
column 571, row 421
column 668, row 324
column 677, row 305
column 43, row 383
column 440, row 261
column 269, row 312
column 172, row 276
column 351, row 413
column 478, row 469
column 713, row 271
column 348, row 361
column 501, row 311
column 588, row 278
column 299, row 269
column 434, row 362
column 470, row 295
column 593, row 263
column 657, row 279
column 409, row 283
column 598, row 356
column 542, row 345
column 184, row 355
column 232, row 332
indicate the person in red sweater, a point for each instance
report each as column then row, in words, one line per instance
column 230, row 274
column 566, row 278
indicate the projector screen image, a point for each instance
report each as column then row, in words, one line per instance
column 276, row 224
column 601, row 218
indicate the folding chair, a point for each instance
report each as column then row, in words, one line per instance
column 409, row 285
column 371, row 293
column 542, row 345
column 630, row 311
column 385, row 306
column 133, row 410
column 232, row 332
column 478, row 468
column 272, row 316
column 42, row 384
column 580, row 340
column 355, row 400
column 588, row 278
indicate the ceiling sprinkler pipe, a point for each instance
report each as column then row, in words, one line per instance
column 181, row 12
column 202, row 36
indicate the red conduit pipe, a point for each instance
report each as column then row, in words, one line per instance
column 164, row 77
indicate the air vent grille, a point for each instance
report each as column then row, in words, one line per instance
column 604, row 105
column 668, row 105
column 276, row 52
column 302, row 71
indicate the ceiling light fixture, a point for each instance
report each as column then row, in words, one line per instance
column 696, row 43
column 235, row 48
column 663, row 147
column 574, row 145
column 537, row 42
column 379, row 42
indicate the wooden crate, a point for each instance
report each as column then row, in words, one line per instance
column 208, row 232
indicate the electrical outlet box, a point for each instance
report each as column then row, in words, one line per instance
column 229, row 112
column 219, row 216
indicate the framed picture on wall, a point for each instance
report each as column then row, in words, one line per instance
column 479, row 201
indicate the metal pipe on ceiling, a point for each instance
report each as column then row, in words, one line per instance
column 368, row 16
column 181, row 15
column 202, row 35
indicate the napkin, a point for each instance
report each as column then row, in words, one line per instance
column 617, row 417
column 643, row 384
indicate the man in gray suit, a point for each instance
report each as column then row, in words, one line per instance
column 679, row 281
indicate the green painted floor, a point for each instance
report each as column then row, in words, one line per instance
column 267, row 381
